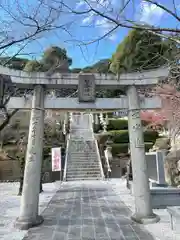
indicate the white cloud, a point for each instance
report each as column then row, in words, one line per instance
column 105, row 27
column 89, row 19
column 149, row 13
column 102, row 24
column 80, row 4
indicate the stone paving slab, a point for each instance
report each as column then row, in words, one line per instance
column 88, row 210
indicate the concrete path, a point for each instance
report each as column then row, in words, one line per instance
column 88, row 210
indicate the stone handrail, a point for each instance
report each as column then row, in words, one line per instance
column 64, row 128
column 66, row 158
column 96, row 145
column 107, row 160
column 99, row 159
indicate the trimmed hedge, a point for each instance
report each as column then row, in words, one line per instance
column 118, row 148
column 117, row 124
column 122, row 136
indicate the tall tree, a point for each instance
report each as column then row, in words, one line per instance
column 14, row 62
column 33, row 66
column 55, row 59
column 140, row 50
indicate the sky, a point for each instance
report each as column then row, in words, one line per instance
column 86, row 28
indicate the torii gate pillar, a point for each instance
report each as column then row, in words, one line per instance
column 30, row 195
column 143, row 207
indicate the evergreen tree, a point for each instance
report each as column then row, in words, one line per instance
column 140, row 50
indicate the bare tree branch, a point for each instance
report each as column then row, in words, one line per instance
column 119, row 21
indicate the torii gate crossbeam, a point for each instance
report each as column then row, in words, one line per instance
column 72, row 104
column 69, row 80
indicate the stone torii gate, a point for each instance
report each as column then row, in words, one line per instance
column 87, row 84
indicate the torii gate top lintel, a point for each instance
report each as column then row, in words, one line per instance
column 68, row 80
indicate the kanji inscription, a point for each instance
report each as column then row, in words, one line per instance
column 86, row 88
column 139, row 143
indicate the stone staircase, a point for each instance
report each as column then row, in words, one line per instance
column 82, row 160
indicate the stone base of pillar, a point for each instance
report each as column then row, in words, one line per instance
column 153, row 218
column 25, row 224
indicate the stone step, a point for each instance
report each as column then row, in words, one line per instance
column 86, row 159
column 82, row 155
column 82, row 158
column 93, row 154
column 85, row 150
column 83, row 172
column 83, row 179
column 83, row 176
column 82, row 164
column 75, row 167
column 85, row 156
column 83, row 167
column 81, row 151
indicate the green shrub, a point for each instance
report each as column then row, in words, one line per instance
column 110, row 114
column 119, row 136
column 117, row 124
column 122, row 136
column 150, row 136
column 97, row 128
column 118, row 148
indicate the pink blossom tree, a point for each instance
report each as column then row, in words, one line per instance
column 170, row 109
column 167, row 118
column 153, row 119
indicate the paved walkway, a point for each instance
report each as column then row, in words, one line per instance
column 87, row 211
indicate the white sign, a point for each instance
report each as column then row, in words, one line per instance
column 56, row 159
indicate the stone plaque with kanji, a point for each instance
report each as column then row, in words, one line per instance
column 86, row 88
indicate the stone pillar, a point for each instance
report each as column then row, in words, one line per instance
column 107, row 119
column 96, row 119
column 143, row 207
column 30, row 195
column 160, row 155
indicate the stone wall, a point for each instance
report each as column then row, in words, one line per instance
column 118, row 166
column 152, row 167
column 9, row 170
column 155, row 165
